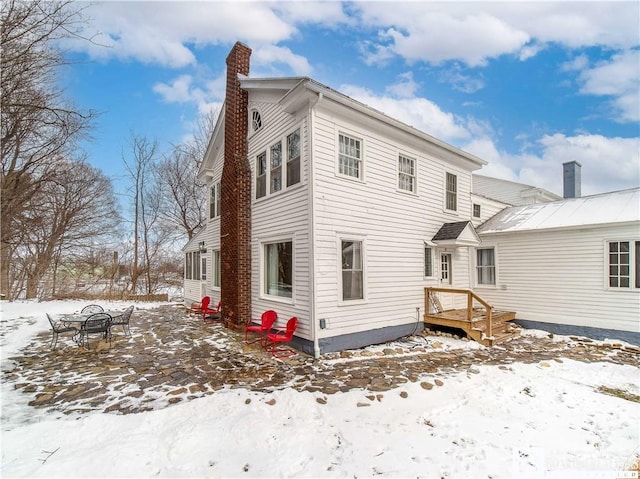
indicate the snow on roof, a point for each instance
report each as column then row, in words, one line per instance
column 614, row 207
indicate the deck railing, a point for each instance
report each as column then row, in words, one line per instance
column 471, row 296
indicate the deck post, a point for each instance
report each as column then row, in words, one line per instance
column 489, row 321
column 469, row 306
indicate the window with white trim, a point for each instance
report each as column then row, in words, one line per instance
column 352, row 270
column 203, row 269
column 406, row 173
column 278, row 269
column 192, row 265
column 451, row 185
column 214, row 201
column 261, row 174
column 486, row 266
column 476, row 210
column 428, row 261
column 624, row 264
column 276, row 170
column 293, row 158
column 216, row 268
column 350, row 156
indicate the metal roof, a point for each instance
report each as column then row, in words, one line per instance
column 602, row 209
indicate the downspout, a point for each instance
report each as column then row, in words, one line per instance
column 312, row 263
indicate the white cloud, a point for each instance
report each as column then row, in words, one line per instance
column 268, row 57
column 178, row 91
column 164, row 32
column 405, row 86
column 461, row 82
column 618, row 78
column 608, row 164
column 471, row 39
column 183, row 89
column 420, row 113
column 474, row 32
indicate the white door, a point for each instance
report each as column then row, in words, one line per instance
column 445, row 269
column 446, row 276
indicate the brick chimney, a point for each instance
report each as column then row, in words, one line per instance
column 572, row 179
column 235, row 221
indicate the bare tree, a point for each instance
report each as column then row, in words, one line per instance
column 183, row 197
column 139, row 165
column 38, row 124
column 75, row 210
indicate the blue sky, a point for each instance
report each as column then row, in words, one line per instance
column 524, row 85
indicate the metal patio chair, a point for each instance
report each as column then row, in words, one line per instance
column 57, row 328
column 123, row 320
column 92, row 308
column 98, row 323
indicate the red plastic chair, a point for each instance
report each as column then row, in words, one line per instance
column 207, row 311
column 266, row 322
column 200, row 307
column 280, row 337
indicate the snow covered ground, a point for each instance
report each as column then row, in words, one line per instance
column 544, row 420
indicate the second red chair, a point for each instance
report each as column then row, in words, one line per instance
column 266, row 322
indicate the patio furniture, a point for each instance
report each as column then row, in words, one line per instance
column 201, row 306
column 280, row 337
column 207, row 312
column 96, row 323
column 92, row 308
column 57, row 328
column 123, row 320
column 267, row 320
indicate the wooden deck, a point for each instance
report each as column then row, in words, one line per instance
column 482, row 323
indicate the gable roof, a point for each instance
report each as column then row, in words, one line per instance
column 602, row 209
column 460, row 233
column 298, row 91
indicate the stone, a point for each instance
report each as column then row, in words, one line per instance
column 439, row 382
column 404, row 394
column 363, row 404
column 321, row 400
column 426, row 385
column 271, row 402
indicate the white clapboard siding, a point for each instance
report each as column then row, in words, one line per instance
column 393, row 224
column 284, row 214
column 559, row 276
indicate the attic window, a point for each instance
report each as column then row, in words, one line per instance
column 256, row 120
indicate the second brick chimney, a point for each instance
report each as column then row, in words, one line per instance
column 235, row 221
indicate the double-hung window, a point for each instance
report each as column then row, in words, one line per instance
column 350, row 156
column 293, row 158
column 214, row 201
column 216, row 268
column 352, row 270
column 275, row 174
column 624, row 264
column 451, row 186
column 428, row 261
column 261, row 174
column 278, row 269
column 486, row 266
column 406, row 173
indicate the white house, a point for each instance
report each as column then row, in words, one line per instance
column 328, row 210
column 573, row 262
column 344, row 204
